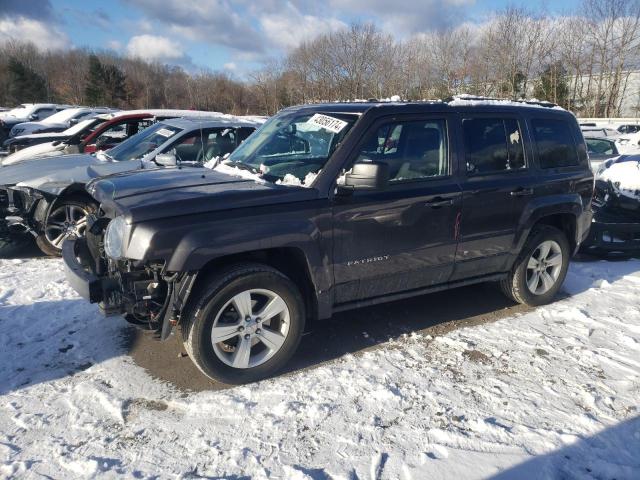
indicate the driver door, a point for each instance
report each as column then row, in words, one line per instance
column 404, row 236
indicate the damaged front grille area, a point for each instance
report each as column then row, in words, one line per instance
column 616, row 223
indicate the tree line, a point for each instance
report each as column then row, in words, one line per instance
column 582, row 61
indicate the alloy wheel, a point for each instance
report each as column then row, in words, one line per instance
column 250, row 328
column 66, row 221
column 544, row 267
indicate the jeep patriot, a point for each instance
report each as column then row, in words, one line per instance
column 331, row 207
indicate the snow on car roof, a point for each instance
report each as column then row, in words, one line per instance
column 175, row 113
column 466, row 100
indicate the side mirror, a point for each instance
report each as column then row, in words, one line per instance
column 367, row 176
column 73, row 121
column 33, row 117
column 166, row 159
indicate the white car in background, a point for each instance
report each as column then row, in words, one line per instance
column 608, row 131
column 58, row 122
column 629, row 143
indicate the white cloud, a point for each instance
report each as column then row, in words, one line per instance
column 288, row 28
column 43, row 36
column 154, row 48
column 231, row 66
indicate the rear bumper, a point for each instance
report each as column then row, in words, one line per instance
column 76, row 257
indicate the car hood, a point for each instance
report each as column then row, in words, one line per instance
column 55, row 168
column 168, row 192
column 37, row 136
column 40, row 152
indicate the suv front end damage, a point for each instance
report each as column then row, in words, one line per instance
column 146, row 294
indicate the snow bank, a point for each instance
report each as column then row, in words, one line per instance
column 552, row 393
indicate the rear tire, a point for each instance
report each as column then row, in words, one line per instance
column 67, row 218
column 249, row 349
column 540, row 269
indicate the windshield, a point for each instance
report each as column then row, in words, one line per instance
column 78, row 127
column 138, row 145
column 292, row 145
column 63, row 116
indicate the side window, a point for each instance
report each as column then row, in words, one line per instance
column 189, row 148
column 555, row 144
column 114, row 134
column 43, row 113
column 413, row 150
column 492, row 145
column 243, row 134
column 219, row 143
column 595, row 146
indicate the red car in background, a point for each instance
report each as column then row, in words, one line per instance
column 99, row 133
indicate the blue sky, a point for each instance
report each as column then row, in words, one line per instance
column 231, row 35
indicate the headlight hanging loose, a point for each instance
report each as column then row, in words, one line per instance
column 114, row 238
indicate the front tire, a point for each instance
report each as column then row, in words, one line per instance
column 244, row 324
column 67, row 218
column 538, row 273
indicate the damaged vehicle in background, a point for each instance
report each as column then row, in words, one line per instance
column 27, row 112
column 331, row 207
column 101, row 133
column 58, row 121
column 46, row 197
column 616, row 207
column 600, row 150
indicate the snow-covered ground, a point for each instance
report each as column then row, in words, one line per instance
column 553, row 393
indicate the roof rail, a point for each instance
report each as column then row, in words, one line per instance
column 479, row 98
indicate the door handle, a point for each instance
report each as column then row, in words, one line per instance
column 522, row 192
column 439, row 202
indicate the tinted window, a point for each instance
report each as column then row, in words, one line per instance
column 413, row 150
column 493, row 145
column 555, row 144
column 605, row 147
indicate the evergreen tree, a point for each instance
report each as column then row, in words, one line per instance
column 94, row 89
column 552, row 85
column 114, row 80
column 106, row 84
column 24, row 84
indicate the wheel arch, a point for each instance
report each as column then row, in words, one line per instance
column 291, row 261
column 561, row 212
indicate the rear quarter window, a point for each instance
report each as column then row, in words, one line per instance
column 555, row 143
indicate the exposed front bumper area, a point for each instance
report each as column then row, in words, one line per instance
column 77, row 260
column 148, row 299
column 613, row 237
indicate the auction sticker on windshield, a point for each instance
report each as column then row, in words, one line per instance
column 165, row 132
column 334, row 125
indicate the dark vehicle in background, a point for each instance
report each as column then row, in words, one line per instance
column 629, row 128
column 27, row 112
column 333, row 207
column 600, row 150
column 616, row 207
column 58, row 121
column 46, row 197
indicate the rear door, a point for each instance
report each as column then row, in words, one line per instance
column 402, row 237
column 497, row 185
